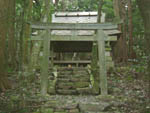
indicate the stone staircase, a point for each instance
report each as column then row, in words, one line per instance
column 71, row 81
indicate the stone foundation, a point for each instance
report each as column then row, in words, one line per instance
column 76, row 104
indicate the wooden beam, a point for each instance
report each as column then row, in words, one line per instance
column 52, row 56
column 73, row 38
column 72, row 62
column 73, row 26
column 102, row 62
column 40, row 36
column 108, row 63
column 108, row 59
column 45, row 63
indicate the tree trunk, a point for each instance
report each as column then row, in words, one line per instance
column 4, row 84
column 145, row 12
column 11, row 34
column 124, row 52
column 26, row 33
column 56, row 4
column 64, row 5
column 116, row 8
column 21, row 37
column 100, row 5
column 120, row 49
column 130, row 28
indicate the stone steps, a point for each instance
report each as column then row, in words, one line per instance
column 72, row 81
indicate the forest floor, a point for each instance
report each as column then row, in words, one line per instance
column 127, row 86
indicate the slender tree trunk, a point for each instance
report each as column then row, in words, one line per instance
column 4, row 84
column 132, row 53
column 124, row 54
column 64, row 5
column 11, row 34
column 56, row 4
column 116, row 8
column 130, row 28
column 100, row 5
column 21, row 35
column 26, row 33
column 145, row 12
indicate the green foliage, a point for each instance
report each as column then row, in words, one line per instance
column 79, row 5
column 88, row 5
column 108, row 9
column 140, row 68
column 138, row 30
column 37, row 10
column 137, row 21
column 9, row 70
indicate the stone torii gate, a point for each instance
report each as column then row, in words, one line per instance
column 100, row 37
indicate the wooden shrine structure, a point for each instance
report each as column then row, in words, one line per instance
column 76, row 41
column 80, row 59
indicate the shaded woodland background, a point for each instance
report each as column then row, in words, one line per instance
column 132, row 48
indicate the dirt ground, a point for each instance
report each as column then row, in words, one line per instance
column 128, row 90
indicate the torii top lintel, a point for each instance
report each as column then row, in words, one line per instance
column 73, row 26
